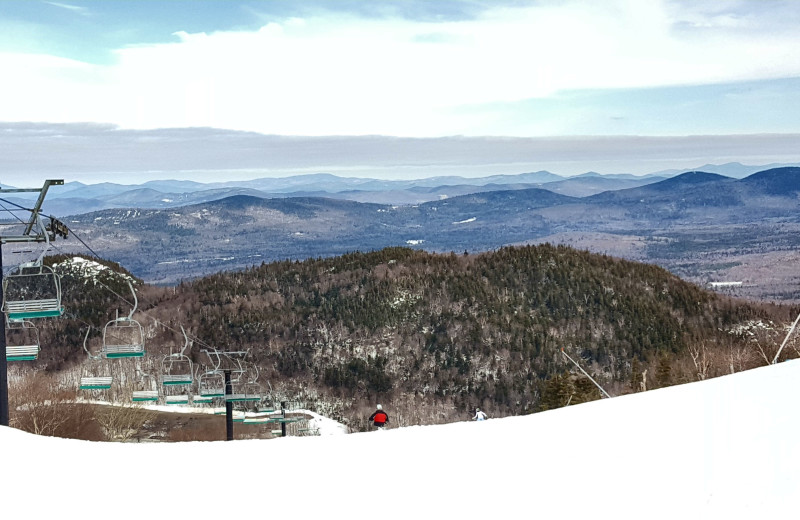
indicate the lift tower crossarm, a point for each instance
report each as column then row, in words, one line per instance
column 39, row 201
column 26, row 234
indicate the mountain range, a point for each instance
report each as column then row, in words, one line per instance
column 76, row 197
column 702, row 226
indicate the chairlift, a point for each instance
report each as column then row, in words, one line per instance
column 95, row 375
column 177, row 369
column 144, row 396
column 259, row 420
column 211, row 384
column 248, row 391
column 238, row 415
column 176, row 395
column 22, row 340
column 124, row 337
column 202, row 399
column 32, row 290
column 146, row 390
column 269, row 404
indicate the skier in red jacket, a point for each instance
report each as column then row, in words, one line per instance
column 379, row 418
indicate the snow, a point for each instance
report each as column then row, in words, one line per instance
column 721, row 448
column 89, row 268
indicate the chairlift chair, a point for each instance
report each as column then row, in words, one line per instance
column 95, row 382
column 95, row 375
column 238, row 415
column 269, row 407
column 176, row 395
column 245, row 393
column 124, row 337
column 202, row 399
column 22, row 340
column 144, row 396
column 211, row 383
column 146, row 390
column 259, row 420
column 269, row 404
column 177, row 368
column 32, row 290
column 248, row 391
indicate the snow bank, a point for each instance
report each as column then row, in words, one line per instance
column 723, row 448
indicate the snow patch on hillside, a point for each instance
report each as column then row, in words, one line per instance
column 467, row 221
column 88, row 269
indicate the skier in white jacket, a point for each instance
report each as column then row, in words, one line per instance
column 479, row 415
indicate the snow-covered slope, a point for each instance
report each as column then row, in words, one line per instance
column 724, row 448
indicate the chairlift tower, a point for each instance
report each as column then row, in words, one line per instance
column 233, row 390
column 34, row 231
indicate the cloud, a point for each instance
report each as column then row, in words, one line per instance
column 32, row 152
column 403, row 71
column 69, row 7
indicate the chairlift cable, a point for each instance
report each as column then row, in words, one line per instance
column 78, row 237
column 119, row 296
column 125, row 300
column 12, row 211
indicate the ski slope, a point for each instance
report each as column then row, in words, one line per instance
column 723, row 448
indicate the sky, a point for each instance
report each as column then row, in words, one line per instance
column 724, row 448
column 578, row 71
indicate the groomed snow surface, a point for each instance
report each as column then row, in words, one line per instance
column 723, row 448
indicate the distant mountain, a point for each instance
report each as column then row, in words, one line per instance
column 777, row 181
column 587, row 184
column 174, row 186
column 732, row 169
column 692, row 178
column 680, row 223
column 692, row 186
column 622, row 176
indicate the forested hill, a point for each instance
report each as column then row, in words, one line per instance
column 434, row 335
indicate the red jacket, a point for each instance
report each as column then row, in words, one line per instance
column 379, row 418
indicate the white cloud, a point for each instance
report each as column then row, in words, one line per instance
column 343, row 74
column 74, row 8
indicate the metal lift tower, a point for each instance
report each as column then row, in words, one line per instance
column 33, row 232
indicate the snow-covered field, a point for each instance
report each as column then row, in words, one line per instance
column 724, row 448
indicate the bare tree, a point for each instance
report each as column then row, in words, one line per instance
column 701, row 359
column 38, row 405
column 122, row 421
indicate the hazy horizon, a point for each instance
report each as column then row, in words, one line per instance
column 93, row 153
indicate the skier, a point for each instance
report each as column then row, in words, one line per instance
column 379, row 418
column 479, row 415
